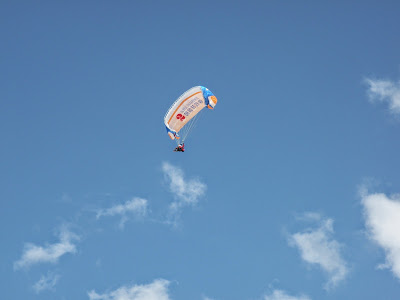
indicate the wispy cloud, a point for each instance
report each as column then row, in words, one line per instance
column 46, row 282
column 186, row 192
column 382, row 220
column 137, row 207
column 385, row 91
column 317, row 247
column 282, row 295
column 157, row 290
column 51, row 253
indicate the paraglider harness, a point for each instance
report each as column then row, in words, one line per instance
column 180, row 148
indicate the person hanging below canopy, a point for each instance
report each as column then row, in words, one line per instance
column 180, row 148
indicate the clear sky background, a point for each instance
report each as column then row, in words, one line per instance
column 287, row 190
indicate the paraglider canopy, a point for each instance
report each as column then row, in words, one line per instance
column 183, row 114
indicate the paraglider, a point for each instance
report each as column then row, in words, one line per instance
column 184, row 113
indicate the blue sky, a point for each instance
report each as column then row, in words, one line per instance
column 289, row 189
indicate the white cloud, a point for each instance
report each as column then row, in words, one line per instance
column 33, row 254
column 46, row 282
column 282, row 295
column 385, row 91
column 157, row 290
column 309, row 216
column 317, row 247
column 186, row 192
column 382, row 220
column 136, row 207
